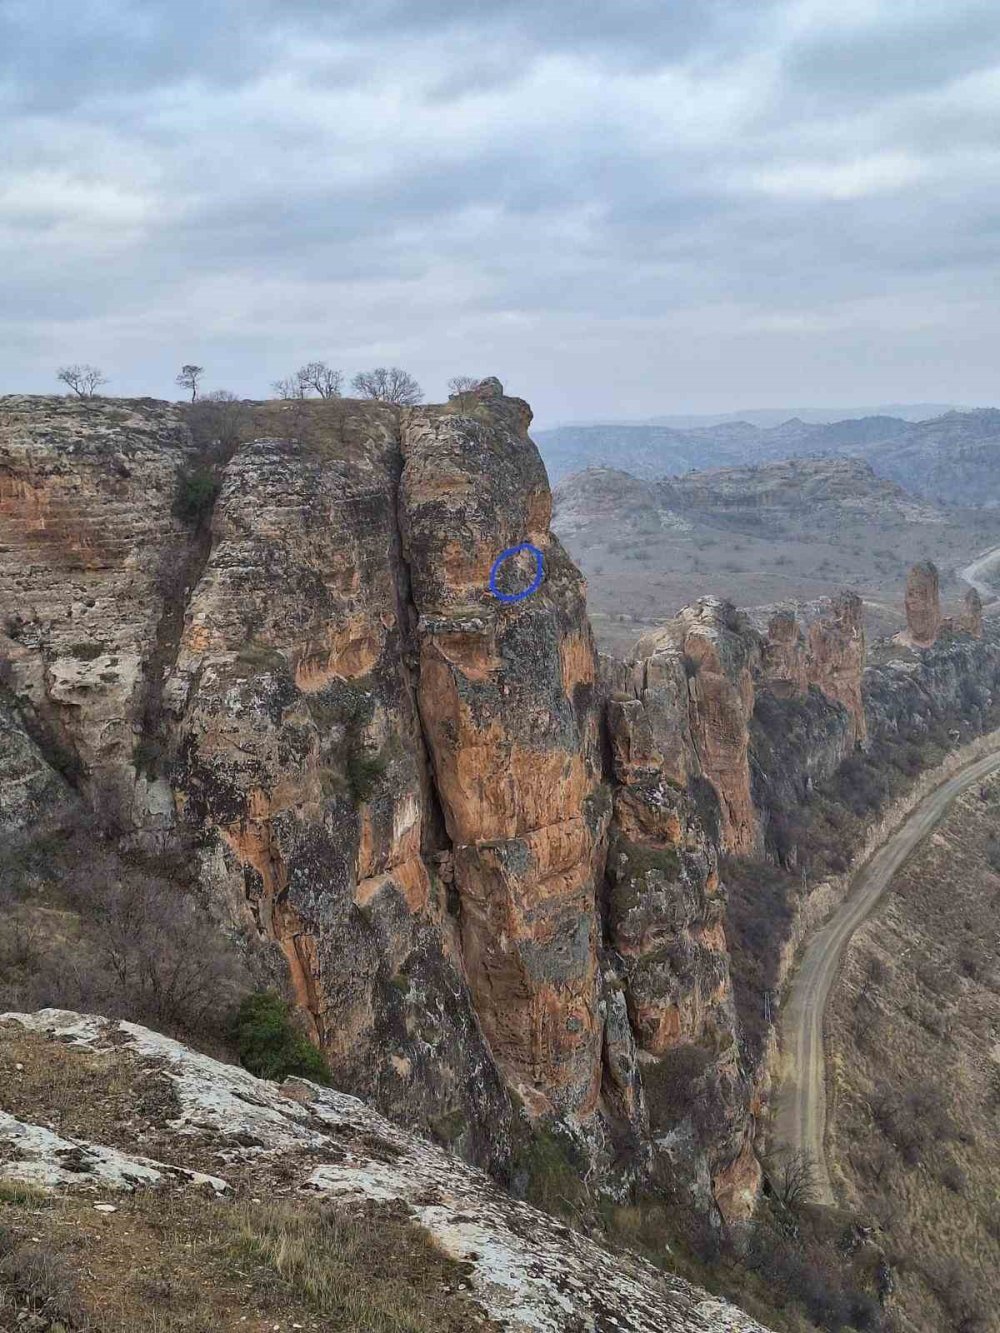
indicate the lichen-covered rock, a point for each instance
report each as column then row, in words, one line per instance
column 31, row 791
column 525, row 1269
column 835, row 659
column 664, row 919
column 300, row 767
column 784, row 664
column 721, row 654
column 923, row 604
column 91, row 542
column 507, row 700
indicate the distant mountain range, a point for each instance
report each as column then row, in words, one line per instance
column 821, row 416
column 952, row 458
column 793, row 530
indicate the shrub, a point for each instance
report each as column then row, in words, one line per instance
column 87, row 652
column 364, row 772
column 269, row 1043
column 548, row 1172
column 674, row 1087
column 40, row 1277
column 134, row 944
column 197, row 491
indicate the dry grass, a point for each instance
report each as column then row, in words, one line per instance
column 178, row 1261
column 915, row 1062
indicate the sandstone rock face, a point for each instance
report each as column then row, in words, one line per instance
column 971, row 620
column 785, row 666
column 923, row 604
column 836, row 657
column 721, row 655
column 90, row 540
column 391, row 781
column 507, row 699
column 29, row 787
column 300, row 764
column 664, row 920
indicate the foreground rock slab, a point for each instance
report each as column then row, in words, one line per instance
column 528, row 1271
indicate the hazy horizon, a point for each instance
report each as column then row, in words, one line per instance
column 634, row 213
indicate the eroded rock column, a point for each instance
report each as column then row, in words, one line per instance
column 923, row 604
column 508, row 706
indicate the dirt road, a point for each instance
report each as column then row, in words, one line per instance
column 800, row 1118
column 975, row 574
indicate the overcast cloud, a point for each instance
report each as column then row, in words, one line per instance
column 621, row 207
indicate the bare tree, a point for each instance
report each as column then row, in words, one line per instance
column 319, row 376
column 314, row 377
column 189, row 377
column 290, row 388
column 391, row 385
column 793, row 1177
column 83, row 380
column 460, row 384
column 219, row 422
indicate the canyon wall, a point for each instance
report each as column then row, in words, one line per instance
column 485, row 863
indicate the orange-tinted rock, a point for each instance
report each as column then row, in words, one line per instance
column 784, row 658
column 299, row 763
column 835, row 660
column 664, row 919
column 923, row 604
column 972, row 614
column 721, row 654
column 507, row 700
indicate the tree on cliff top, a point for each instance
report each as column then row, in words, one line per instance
column 189, row 377
column 314, row 377
column 391, row 385
column 83, row 380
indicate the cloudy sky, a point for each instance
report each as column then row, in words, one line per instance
column 621, row 207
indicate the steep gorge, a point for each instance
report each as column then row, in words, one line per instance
column 486, row 860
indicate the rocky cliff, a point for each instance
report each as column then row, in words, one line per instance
column 485, row 864
column 284, row 660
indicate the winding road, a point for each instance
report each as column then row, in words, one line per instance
column 974, row 574
column 800, row 1118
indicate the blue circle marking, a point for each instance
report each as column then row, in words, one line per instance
column 536, row 582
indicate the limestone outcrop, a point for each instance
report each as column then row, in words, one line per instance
column 923, row 604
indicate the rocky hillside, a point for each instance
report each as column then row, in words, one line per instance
column 779, row 532
column 952, row 458
column 144, row 1126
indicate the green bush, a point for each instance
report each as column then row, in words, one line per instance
column 364, row 773
column 197, row 492
column 87, row 652
column 269, row 1043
